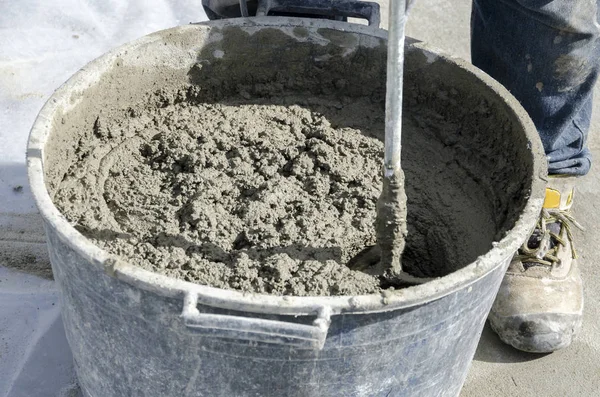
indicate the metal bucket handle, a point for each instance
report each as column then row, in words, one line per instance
column 256, row 329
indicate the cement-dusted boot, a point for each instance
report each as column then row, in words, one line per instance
column 540, row 303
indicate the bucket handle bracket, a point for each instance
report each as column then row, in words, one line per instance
column 257, row 329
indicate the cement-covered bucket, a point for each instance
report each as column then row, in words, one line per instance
column 139, row 333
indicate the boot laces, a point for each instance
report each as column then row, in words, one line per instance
column 545, row 250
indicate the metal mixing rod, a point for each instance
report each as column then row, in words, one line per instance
column 392, row 204
column 395, row 77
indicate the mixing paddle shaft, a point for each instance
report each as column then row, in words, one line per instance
column 391, row 207
column 395, row 73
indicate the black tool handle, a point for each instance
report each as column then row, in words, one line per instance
column 322, row 8
column 328, row 9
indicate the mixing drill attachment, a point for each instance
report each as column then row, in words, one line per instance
column 391, row 206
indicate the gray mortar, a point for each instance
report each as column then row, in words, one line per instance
column 265, row 178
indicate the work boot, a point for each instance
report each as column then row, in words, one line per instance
column 540, row 303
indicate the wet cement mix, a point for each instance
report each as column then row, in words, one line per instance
column 276, row 194
column 255, row 197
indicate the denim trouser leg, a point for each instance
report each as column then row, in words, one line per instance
column 547, row 53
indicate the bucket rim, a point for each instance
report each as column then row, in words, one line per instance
column 500, row 253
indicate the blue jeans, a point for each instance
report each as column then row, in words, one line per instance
column 547, row 53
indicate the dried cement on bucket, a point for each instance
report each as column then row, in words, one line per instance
column 269, row 188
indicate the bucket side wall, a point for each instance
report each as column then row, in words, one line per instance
column 130, row 342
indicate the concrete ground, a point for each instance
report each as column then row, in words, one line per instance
column 499, row 370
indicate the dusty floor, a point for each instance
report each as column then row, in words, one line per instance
column 499, row 370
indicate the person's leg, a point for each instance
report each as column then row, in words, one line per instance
column 547, row 53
